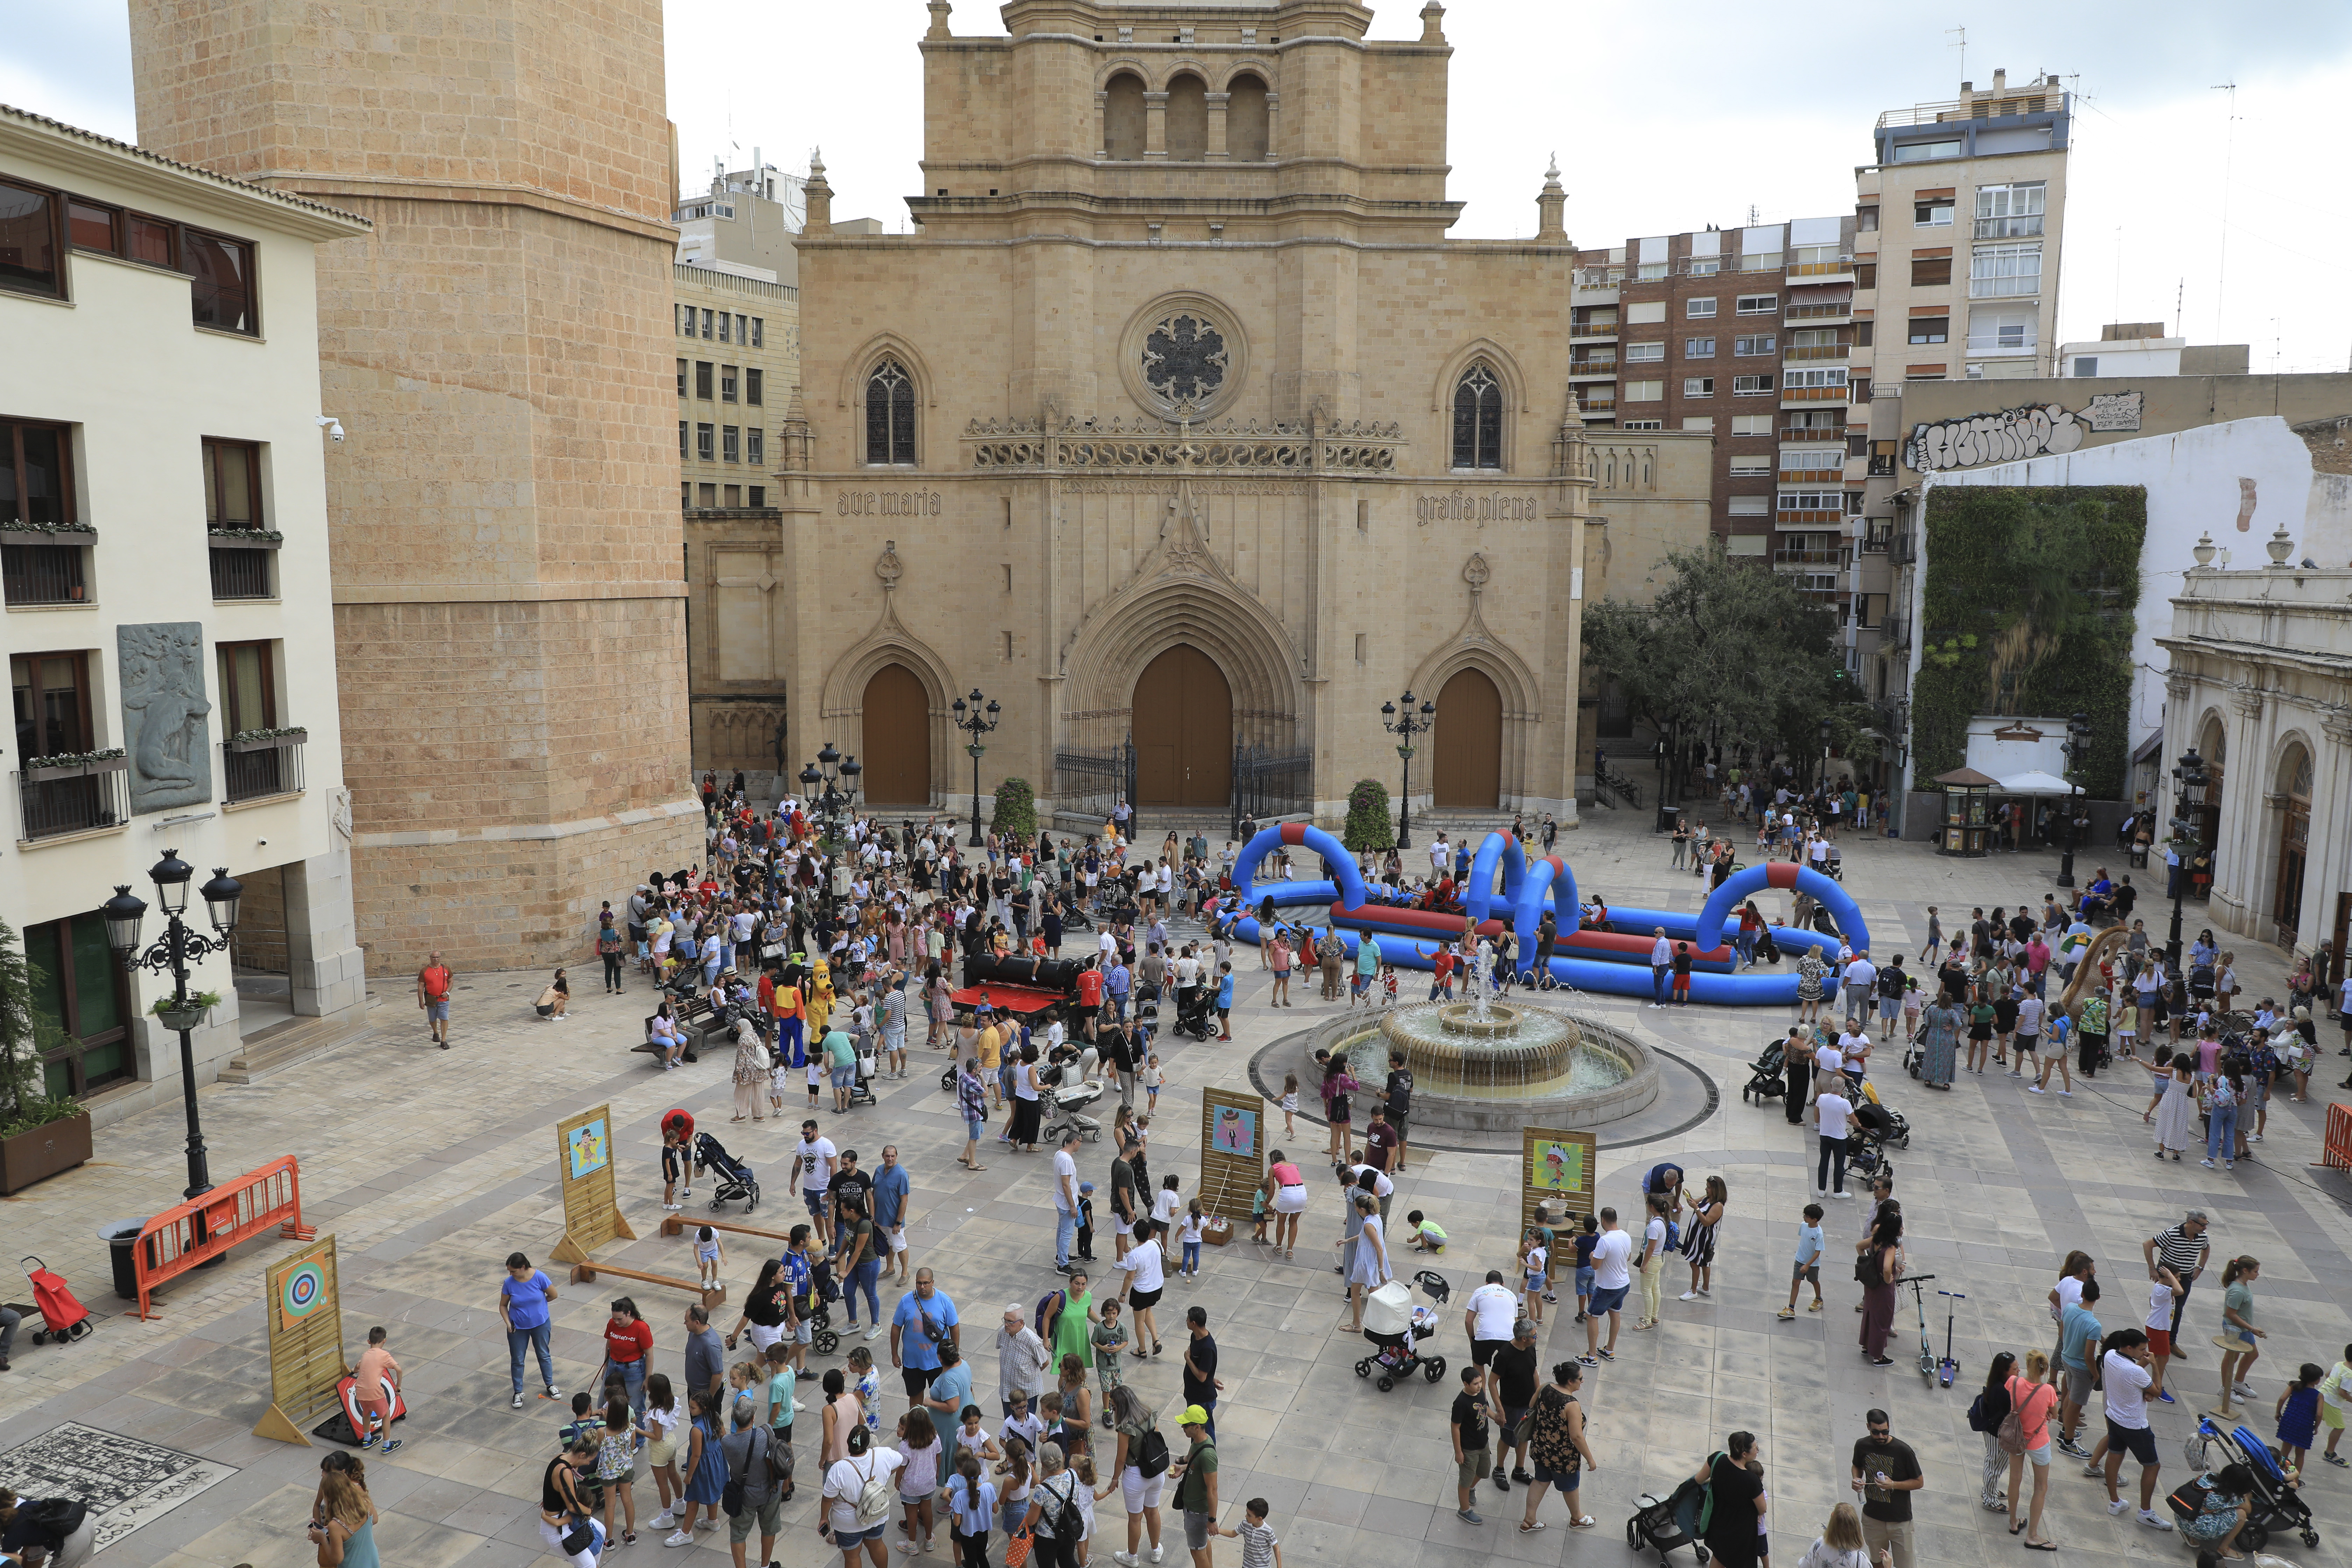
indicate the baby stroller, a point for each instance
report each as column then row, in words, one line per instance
column 1663, row 1526
column 861, row 1088
column 1898, row 1131
column 735, row 1178
column 817, row 1308
column 2273, row 1504
column 1069, row 1100
column 1767, row 1074
column 1392, row 1322
column 63, row 1318
column 1193, row 1018
column 1865, row 1145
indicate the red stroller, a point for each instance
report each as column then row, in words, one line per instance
column 66, row 1318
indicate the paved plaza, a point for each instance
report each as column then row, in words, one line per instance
column 429, row 1168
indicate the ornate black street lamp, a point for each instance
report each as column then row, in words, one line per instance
column 2189, row 780
column 176, row 949
column 976, row 720
column 2077, row 749
column 1402, row 720
column 830, row 791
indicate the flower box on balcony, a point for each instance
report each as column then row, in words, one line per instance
column 42, row 769
column 266, row 740
column 61, row 533
column 243, row 538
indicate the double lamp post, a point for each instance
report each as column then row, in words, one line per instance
column 830, row 791
column 1402, row 720
column 177, row 948
column 974, row 720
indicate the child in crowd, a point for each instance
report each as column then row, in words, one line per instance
column 1289, row 1104
column 582, row 1424
column 1260, row 1547
column 709, row 1252
column 1388, row 985
column 1535, row 1265
column 1257, row 1213
column 1109, row 1337
column 1086, row 1221
column 2335, row 1393
column 1152, row 1078
column 2298, row 1420
column 1423, row 1233
column 1163, row 1205
column 1586, row 1239
column 2161, row 1291
column 616, row 1467
column 1187, row 1231
column 1808, row 1268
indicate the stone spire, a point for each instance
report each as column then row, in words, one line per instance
column 939, row 9
column 819, row 196
column 1552, row 207
column 1432, row 23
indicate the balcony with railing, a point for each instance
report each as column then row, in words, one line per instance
column 56, row 796
column 1592, row 365
column 1994, row 345
column 1800, row 395
column 1835, row 269
column 1597, row 399
column 1809, row 558
column 1894, row 632
column 2014, row 286
column 1812, row 476
column 2042, row 99
column 1802, row 351
column 1592, row 331
column 1814, row 433
column 1906, row 548
column 1834, row 310
column 2025, row 226
column 1599, row 277
column 44, row 574
column 261, row 764
column 240, row 573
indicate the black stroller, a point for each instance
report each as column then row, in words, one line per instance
column 736, row 1180
column 1663, row 1526
column 817, row 1308
column 1866, row 1144
column 2275, row 1505
column 1193, row 1015
column 1767, row 1074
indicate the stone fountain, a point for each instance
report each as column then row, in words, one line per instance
column 1492, row 1065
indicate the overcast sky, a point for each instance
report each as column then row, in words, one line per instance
column 1665, row 118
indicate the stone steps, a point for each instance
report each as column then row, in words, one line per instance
column 281, row 1045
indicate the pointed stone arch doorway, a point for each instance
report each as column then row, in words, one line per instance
column 1466, row 747
column 1184, row 728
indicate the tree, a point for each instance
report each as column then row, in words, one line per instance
column 1016, row 807
column 1725, row 654
column 1369, row 826
column 24, row 1037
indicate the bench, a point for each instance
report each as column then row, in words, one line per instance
column 675, row 1224
column 586, row 1274
column 656, row 1051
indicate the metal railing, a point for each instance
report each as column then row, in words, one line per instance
column 1094, row 782
column 1597, row 400
column 1838, row 312
column 1894, row 632
column 1980, row 106
column 1997, row 345
column 42, row 574
column 1592, row 367
column 1593, row 329
column 1906, row 548
column 2025, row 226
column 1599, row 277
column 240, row 573
column 1809, row 558
column 48, row 807
column 1267, row 783
column 1813, row 433
column 1818, row 351
column 1820, row 268
column 1814, row 394
column 1616, row 783
column 2015, row 287
column 272, row 770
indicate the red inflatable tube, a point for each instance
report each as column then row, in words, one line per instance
column 1410, row 922
column 1609, row 944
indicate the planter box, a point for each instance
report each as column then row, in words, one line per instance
column 194, row 1018
column 256, row 542
column 270, row 743
column 35, row 536
column 35, row 773
column 42, row 1152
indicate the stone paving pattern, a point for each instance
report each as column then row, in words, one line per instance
column 441, row 1163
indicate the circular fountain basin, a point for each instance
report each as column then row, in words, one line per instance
column 1518, row 1065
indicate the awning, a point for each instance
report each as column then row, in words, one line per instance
column 2036, row 783
column 2150, row 749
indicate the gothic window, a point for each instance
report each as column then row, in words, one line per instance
column 1185, row 359
column 890, row 415
column 1478, row 419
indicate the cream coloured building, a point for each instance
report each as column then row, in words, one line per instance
column 168, row 621
column 1181, row 422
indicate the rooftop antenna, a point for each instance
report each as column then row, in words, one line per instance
column 2229, row 148
column 1961, row 34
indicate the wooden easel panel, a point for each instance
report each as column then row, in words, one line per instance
column 1555, row 1163
column 305, row 1354
column 1233, row 1150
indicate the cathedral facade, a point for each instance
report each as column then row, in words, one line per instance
column 1182, row 435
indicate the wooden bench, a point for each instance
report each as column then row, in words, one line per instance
column 658, row 1051
column 675, row 1224
column 586, row 1274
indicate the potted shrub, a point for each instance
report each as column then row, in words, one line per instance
column 189, row 1015
column 39, row 1136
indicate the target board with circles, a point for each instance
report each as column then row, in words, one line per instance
column 305, row 1340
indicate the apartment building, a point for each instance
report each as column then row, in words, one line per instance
column 747, row 220
column 1749, row 334
column 168, row 620
column 738, row 362
column 1959, row 219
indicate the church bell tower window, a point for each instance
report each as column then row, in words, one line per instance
column 890, row 415
column 1478, row 419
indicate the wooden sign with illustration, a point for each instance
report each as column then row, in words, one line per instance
column 1556, row 1165
column 1233, row 1150
column 304, row 1313
column 591, row 1215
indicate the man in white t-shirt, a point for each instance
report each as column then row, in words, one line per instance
column 2124, row 1374
column 1859, row 976
column 1854, row 1049
column 1065, row 1199
column 1491, row 1311
column 1829, row 1114
column 814, row 1161
column 1613, row 1276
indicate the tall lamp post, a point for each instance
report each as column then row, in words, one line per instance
column 172, row 952
column 975, row 721
column 1824, row 778
column 2074, row 748
column 2189, row 780
column 1401, row 719
column 828, row 792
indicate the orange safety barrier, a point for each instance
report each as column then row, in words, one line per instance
column 207, row 1226
column 2335, row 1144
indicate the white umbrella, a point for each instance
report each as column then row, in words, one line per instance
column 2037, row 782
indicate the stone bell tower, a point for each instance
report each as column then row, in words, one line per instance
column 506, row 539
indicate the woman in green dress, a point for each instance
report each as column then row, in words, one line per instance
column 1940, row 1039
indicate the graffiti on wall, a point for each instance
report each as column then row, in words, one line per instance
column 2037, row 430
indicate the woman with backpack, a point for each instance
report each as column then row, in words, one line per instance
column 861, row 1491
column 1055, row 1521
column 1879, row 1268
column 1141, row 1464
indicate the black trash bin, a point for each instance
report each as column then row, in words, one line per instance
column 1667, row 817
column 122, row 1238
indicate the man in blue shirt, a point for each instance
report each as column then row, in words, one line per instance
column 2078, row 1335
column 891, row 1211
column 924, row 1325
column 1115, row 985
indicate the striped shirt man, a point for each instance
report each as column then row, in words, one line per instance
column 2183, row 1249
